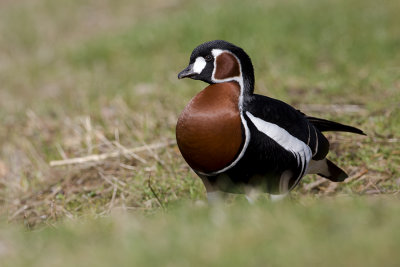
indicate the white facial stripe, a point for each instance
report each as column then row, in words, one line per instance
column 239, row 79
column 199, row 65
column 300, row 150
column 217, row 52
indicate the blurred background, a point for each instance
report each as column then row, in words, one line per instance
column 80, row 78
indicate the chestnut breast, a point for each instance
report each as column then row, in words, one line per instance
column 209, row 132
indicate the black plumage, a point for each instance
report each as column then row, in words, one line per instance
column 280, row 144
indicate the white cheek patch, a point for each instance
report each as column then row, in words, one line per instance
column 199, row 65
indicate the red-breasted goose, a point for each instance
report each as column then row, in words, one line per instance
column 235, row 139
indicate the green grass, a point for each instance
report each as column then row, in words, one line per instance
column 344, row 231
column 87, row 77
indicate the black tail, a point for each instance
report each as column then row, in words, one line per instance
column 327, row 169
column 325, row 125
column 335, row 174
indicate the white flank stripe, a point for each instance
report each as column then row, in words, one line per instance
column 300, row 150
column 281, row 136
column 316, row 142
column 199, row 65
column 309, row 134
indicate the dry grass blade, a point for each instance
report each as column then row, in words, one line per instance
column 154, row 193
column 315, row 184
column 104, row 156
column 357, row 175
column 334, row 108
column 19, row 211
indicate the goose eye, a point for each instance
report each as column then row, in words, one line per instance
column 208, row 58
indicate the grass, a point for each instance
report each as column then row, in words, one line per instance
column 88, row 77
column 312, row 233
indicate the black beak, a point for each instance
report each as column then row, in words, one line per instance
column 187, row 72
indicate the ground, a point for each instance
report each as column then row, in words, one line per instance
column 81, row 78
